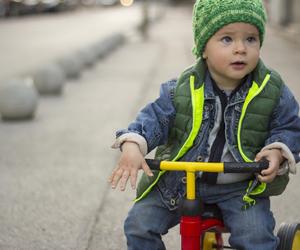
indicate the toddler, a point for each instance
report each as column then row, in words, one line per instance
column 227, row 107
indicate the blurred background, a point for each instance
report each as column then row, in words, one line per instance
column 282, row 12
column 72, row 72
column 22, row 7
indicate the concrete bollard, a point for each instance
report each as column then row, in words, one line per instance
column 100, row 50
column 87, row 56
column 107, row 45
column 114, row 41
column 49, row 80
column 71, row 65
column 18, row 99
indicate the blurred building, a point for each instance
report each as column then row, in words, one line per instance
column 285, row 16
column 283, row 12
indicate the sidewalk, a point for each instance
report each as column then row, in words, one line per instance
column 54, row 169
column 31, row 42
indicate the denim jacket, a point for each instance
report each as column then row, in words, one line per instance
column 154, row 121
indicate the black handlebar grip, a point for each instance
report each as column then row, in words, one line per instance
column 245, row 167
column 153, row 164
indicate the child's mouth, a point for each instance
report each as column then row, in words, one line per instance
column 238, row 65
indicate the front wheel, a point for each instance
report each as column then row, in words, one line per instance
column 289, row 236
column 212, row 241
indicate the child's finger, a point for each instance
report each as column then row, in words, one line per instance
column 266, row 178
column 133, row 178
column 110, row 179
column 116, row 177
column 147, row 169
column 269, row 170
column 124, row 179
column 267, row 175
column 261, row 155
column 263, row 179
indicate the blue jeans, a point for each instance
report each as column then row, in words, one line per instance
column 251, row 229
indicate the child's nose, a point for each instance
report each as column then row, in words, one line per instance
column 239, row 47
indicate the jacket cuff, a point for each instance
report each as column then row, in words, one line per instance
column 289, row 165
column 132, row 137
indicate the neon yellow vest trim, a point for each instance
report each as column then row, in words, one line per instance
column 197, row 104
column 253, row 91
column 197, row 96
column 150, row 187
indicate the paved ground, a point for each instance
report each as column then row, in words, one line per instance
column 29, row 42
column 53, row 184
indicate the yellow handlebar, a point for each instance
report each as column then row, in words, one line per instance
column 191, row 168
column 217, row 167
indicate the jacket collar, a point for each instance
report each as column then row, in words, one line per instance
column 238, row 95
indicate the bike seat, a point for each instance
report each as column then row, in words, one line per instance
column 212, row 211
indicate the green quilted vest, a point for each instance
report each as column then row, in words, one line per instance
column 251, row 132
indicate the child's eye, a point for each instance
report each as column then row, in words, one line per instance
column 251, row 39
column 226, row 39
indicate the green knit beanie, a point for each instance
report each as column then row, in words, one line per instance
column 211, row 15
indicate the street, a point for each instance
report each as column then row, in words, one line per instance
column 54, row 192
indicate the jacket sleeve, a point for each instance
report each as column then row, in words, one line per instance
column 285, row 125
column 151, row 126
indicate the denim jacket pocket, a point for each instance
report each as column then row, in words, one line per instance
column 172, row 188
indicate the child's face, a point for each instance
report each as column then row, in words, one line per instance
column 232, row 53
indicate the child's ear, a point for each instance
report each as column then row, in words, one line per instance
column 204, row 56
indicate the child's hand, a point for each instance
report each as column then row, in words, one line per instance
column 275, row 158
column 130, row 162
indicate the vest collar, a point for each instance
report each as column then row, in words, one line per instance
column 238, row 96
column 260, row 73
column 199, row 71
